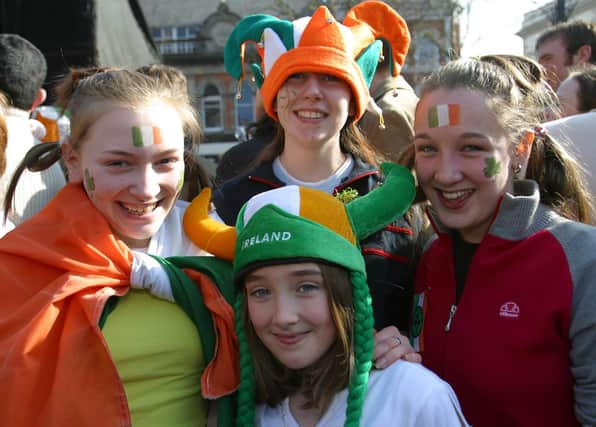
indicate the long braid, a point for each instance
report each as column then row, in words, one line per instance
column 246, row 390
column 363, row 349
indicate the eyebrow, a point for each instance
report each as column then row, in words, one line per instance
column 131, row 154
column 465, row 135
column 251, row 277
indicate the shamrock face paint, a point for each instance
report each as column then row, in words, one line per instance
column 89, row 182
column 143, row 136
column 443, row 115
column 492, row 167
column 462, row 159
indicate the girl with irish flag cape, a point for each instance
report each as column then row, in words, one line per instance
column 88, row 337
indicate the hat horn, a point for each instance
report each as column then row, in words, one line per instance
column 250, row 29
column 385, row 204
column 207, row 233
column 385, row 24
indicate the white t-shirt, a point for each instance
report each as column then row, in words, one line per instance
column 405, row 394
column 170, row 239
column 326, row 185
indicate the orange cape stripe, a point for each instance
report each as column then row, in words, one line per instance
column 56, row 272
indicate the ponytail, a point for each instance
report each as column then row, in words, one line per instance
column 39, row 158
column 561, row 179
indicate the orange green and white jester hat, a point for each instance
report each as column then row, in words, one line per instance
column 350, row 50
column 296, row 223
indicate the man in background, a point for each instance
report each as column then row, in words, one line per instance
column 397, row 99
column 564, row 46
column 22, row 73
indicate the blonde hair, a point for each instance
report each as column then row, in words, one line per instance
column 3, row 134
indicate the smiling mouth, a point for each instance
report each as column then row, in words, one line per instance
column 139, row 210
column 290, row 339
column 310, row 114
column 454, row 195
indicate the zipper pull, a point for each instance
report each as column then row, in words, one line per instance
column 451, row 315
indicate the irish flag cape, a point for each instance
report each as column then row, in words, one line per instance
column 57, row 271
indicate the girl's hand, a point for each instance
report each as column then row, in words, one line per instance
column 390, row 346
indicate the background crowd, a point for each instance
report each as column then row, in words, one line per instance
column 370, row 256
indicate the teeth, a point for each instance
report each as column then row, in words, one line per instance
column 453, row 195
column 139, row 210
column 310, row 114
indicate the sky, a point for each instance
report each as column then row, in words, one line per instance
column 493, row 24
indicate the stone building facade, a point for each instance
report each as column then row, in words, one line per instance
column 537, row 20
column 191, row 34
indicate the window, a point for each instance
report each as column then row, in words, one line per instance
column 245, row 109
column 211, row 107
column 176, row 40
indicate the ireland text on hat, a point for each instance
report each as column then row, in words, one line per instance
column 275, row 236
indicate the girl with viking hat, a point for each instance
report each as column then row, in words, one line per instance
column 313, row 77
column 304, row 315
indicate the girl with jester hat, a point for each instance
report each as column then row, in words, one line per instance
column 78, row 346
column 506, row 294
column 314, row 79
column 304, row 317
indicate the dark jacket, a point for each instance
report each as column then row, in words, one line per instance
column 389, row 253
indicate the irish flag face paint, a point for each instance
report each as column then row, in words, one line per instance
column 443, row 115
column 143, row 136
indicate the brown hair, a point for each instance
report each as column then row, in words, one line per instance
column 351, row 140
column 3, row 134
column 574, row 34
column 326, row 377
column 530, row 79
column 585, row 77
column 558, row 174
column 89, row 93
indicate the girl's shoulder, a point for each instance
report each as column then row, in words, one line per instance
column 413, row 395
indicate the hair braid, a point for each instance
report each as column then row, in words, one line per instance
column 363, row 349
column 246, row 390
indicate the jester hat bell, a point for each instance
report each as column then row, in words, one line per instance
column 350, row 50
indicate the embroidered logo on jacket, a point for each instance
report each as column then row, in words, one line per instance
column 509, row 309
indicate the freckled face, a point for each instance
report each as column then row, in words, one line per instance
column 131, row 163
column 463, row 168
column 313, row 108
column 288, row 307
